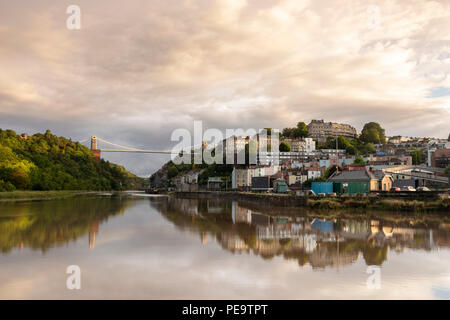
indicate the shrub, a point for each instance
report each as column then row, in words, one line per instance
column 403, row 205
column 6, row 186
column 323, row 204
column 353, row 203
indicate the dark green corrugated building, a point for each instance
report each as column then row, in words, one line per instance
column 353, row 187
column 353, row 181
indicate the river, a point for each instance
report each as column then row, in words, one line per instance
column 155, row 247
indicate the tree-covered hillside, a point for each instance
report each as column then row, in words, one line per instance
column 48, row 162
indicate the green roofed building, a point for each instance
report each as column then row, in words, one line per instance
column 360, row 181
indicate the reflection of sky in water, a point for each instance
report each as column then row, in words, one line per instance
column 441, row 293
column 143, row 254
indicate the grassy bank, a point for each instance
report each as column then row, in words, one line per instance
column 39, row 195
column 380, row 204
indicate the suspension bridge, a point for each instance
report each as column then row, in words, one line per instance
column 119, row 148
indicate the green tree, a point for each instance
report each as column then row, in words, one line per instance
column 365, row 148
column 374, row 255
column 288, row 132
column 6, row 186
column 285, row 147
column 359, row 161
column 350, row 146
column 47, row 162
column 301, row 130
column 19, row 178
column 172, row 172
column 342, row 143
column 417, row 157
column 329, row 172
column 350, row 150
column 373, row 132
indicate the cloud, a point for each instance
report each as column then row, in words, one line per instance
column 137, row 71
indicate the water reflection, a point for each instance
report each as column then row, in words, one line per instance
column 310, row 241
column 139, row 247
column 319, row 243
column 42, row 225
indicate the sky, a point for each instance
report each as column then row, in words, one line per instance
column 137, row 70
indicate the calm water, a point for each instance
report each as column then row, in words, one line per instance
column 155, row 248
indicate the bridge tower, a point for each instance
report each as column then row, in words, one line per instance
column 94, row 148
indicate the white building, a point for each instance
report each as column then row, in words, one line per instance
column 191, row 177
column 314, row 173
column 293, row 179
column 301, row 145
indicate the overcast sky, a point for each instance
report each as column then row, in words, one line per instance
column 138, row 69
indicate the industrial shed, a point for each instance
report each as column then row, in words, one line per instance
column 360, row 181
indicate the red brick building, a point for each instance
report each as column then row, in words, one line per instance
column 440, row 158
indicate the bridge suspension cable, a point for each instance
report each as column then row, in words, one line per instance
column 116, row 145
column 131, row 149
column 128, row 149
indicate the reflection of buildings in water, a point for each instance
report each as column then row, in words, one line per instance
column 353, row 227
column 441, row 238
column 323, row 240
column 302, row 247
column 204, row 237
column 295, row 231
column 327, row 255
column 92, row 233
column 400, row 238
column 394, row 237
column 232, row 242
column 375, row 232
column 322, row 225
column 259, row 219
column 305, row 242
column 240, row 214
column 187, row 206
column 319, row 242
column 214, row 206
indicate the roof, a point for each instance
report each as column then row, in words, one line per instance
column 358, row 175
column 379, row 174
column 355, row 175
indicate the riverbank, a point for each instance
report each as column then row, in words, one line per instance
column 379, row 203
column 41, row 195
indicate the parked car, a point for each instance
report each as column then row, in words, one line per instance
column 395, row 189
column 423, row 189
column 409, row 188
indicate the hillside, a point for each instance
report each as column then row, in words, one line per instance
column 47, row 162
